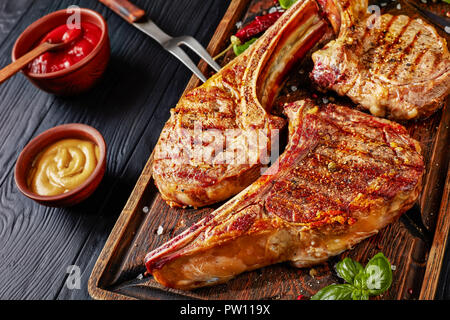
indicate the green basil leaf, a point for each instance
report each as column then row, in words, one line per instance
column 446, row 1
column 360, row 294
column 360, row 280
column 347, row 269
column 238, row 49
column 335, row 292
column 286, row 4
column 378, row 274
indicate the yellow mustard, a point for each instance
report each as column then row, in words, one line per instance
column 63, row 166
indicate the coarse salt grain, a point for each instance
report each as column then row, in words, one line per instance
column 273, row 9
column 325, row 100
column 447, row 29
column 140, row 276
column 145, row 209
column 423, row 1
column 294, row 88
column 399, row 6
column 393, row 267
column 160, row 230
column 239, row 24
column 384, row 4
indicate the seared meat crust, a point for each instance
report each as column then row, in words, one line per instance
column 204, row 154
column 343, row 176
column 394, row 66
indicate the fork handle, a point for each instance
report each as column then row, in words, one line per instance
column 125, row 9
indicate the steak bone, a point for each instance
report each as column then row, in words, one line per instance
column 343, row 176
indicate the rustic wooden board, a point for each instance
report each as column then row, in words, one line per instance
column 129, row 107
column 415, row 244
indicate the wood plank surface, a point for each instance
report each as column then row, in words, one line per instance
column 162, row 99
column 406, row 242
column 134, row 204
column 129, row 107
column 437, row 252
column 141, row 83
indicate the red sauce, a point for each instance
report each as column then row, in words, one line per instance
column 80, row 47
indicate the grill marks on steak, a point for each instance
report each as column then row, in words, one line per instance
column 343, row 176
column 192, row 167
column 398, row 67
column 189, row 171
column 404, row 53
column 345, row 164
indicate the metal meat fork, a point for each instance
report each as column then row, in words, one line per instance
column 136, row 17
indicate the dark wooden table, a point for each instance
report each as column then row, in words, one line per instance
column 129, row 107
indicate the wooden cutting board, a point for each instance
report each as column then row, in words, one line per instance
column 415, row 244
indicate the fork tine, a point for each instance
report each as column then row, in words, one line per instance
column 196, row 47
column 183, row 57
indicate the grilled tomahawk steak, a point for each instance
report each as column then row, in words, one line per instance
column 394, row 66
column 343, row 176
column 190, row 171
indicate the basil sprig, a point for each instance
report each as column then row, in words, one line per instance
column 372, row 280
column 285, row 4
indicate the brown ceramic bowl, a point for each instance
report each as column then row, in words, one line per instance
column 31, row 150
column 83, row 74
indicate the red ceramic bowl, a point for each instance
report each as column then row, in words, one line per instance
column 77, row 78
column 31, row 150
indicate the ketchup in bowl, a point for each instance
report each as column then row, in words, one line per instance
column 81, row 46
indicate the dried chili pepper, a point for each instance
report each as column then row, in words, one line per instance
column 246, row 36
column 257, row 26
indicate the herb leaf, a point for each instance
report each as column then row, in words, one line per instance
column 360, row 280
column 347, row 269
column 372, row 280
column 446, row 1
column 335, row 292
column 360, row 294
column 239, row 48
column 285, row 4
column 378, row 274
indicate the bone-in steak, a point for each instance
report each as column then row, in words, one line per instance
column 204, row 154
column 394, row 66
column 343, row 176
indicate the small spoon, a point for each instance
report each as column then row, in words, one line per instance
column 20, row 63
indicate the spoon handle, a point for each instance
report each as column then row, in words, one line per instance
column 20, row 63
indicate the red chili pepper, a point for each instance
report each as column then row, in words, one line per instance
column 260, row 24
